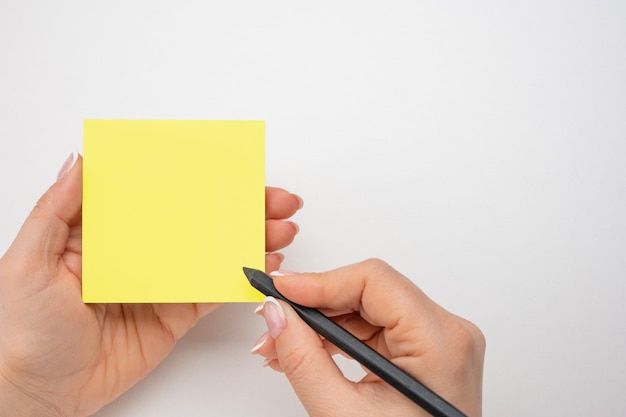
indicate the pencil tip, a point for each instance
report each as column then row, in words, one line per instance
column 248, row 272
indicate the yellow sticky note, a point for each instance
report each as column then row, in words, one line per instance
column 172, row 210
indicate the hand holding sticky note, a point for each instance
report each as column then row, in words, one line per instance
column 172, row 210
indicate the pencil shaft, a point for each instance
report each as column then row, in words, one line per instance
column 355, row 348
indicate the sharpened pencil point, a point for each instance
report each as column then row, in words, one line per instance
column 248, row 272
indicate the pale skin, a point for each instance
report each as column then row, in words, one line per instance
column 61, row 357
column 392, row 315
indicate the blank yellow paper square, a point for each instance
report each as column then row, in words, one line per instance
column 172, row 210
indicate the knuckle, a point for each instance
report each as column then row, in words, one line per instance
column 376, row 264
column 480, row 340
column 467, row 340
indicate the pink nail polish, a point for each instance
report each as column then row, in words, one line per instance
column 67, row 165
column 278, row 254
column 274, row 316
column 259, row 343
column 282, row 273
column 300, row 201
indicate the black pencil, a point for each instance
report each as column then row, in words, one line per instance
column 368, row 357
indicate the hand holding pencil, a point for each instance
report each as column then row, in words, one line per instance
column 389, row 313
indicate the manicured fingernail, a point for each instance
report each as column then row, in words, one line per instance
column 274, row 316
column 266, row 362
column 282, row 273
column 300, row 201
column 67, row 165
column 259, row 343
column 280, row 255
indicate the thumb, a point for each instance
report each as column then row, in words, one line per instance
column 310, row 368
column 43, row 236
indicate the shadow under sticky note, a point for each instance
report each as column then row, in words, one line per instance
column 172, row 210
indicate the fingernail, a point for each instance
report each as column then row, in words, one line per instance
column 259, row 343
column 67, row 165
column 274, row 316
column 300, row 201
column 296, row 226
column 280, row 255
column 266, row 362
column 282, row 273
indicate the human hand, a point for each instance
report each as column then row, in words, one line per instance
column 388, row 312
column 61, row 357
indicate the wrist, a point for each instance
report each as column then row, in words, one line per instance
column 17, row 402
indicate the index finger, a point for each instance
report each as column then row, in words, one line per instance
column 383, row 296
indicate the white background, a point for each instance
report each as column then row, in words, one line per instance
column 479, row 147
